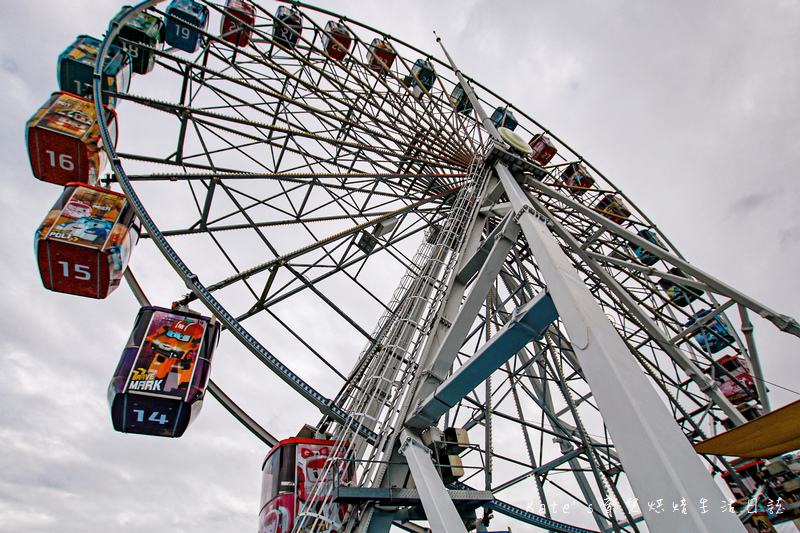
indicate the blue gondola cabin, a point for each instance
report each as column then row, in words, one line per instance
column 422, row 74
column 298, row 476
column 237, row 21
column 642, row 254
column 288, row 26
column 680, row 295
column 613, row 209
column 76, row 69
column 84, row 244
column 160, row 382
column 713, row 335
column 185, row 21
column 502, row 117
column 337, row 40
column 63, row 140
column 143, row 29
column 381, row 56
column 460, row 100
column 577, row 178
column 543, row 148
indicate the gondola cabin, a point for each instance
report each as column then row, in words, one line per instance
column 298, row 477
column 503, row 117
column 381, row 56
column 613, row 209
column 577, row 178
column 543, row 148
column 460, row 100
column 642, row 254
column 337, row 40
column 749, row 412
column 727, row 372
column 160, row 382
column 76, row 69
column 680, row 295
column 84, row 244
column 143, row 29
column 749, row 473
column 288, row 26
column 184, row 22
column 63, row 140
column 422, row 74
column 713, row 336
column 236, row 23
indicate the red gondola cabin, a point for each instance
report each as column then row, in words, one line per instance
column 382, row 56
column 237, row 19
column 337, row 40
column 577, row 178
column 299, row 476
column 613, row 209
column 64, row 140
column 84, row 244
column 160, row 382
column 543, row 148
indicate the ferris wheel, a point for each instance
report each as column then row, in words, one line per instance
column 521, row 322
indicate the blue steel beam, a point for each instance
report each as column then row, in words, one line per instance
column 528, row 322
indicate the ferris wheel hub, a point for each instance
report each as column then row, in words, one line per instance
column 515, row 141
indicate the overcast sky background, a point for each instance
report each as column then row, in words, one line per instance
column 691, row 108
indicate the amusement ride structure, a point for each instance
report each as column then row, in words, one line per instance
column 528, row 334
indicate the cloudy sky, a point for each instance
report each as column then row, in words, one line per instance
column 691, row 108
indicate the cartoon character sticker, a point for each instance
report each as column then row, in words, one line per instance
column 88, row 218
column 277, row 515
column 167, row 359
column 71, row 115
column 317, row 472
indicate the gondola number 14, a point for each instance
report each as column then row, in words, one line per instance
column 153, row 417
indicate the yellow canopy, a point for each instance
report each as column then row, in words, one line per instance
column 770, row 435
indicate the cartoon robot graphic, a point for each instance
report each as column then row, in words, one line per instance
column 89, row 229
column 311, row 469
column 175, row 346
column 316, row 476
column 276, row 521
column 76, row 208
